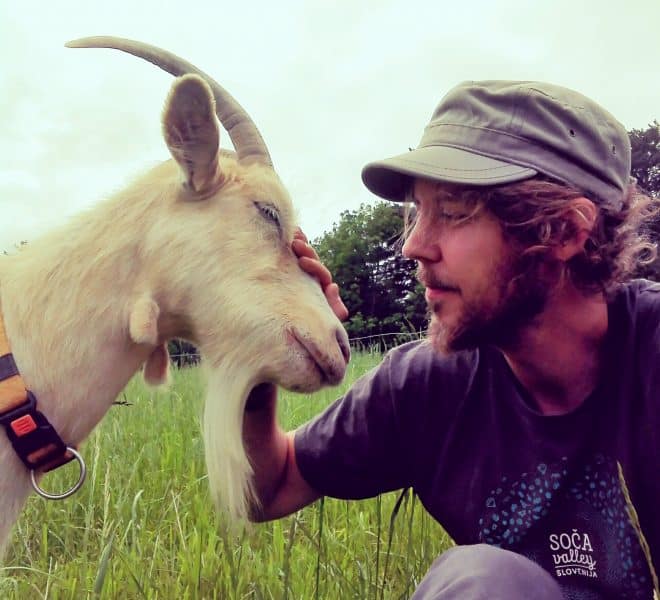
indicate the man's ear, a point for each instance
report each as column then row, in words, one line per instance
column 582, row 214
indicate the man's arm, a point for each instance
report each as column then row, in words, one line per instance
column 278, row 484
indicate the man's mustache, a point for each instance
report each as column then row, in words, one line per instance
column 431, row 281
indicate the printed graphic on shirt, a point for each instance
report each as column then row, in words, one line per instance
column 573, row 554
column 573, row 522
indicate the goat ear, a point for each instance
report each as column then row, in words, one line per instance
column 157, row 367
column 191, row 131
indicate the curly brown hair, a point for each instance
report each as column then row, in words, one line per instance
column 533, row 215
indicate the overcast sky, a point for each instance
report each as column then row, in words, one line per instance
column 331, row 85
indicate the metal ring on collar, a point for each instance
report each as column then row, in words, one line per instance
column 69, row 492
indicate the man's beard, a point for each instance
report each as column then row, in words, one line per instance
column 523, row 292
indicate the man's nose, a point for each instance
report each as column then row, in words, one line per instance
column 422, row 242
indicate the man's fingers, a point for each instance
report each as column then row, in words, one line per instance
column 310, row 262
column 335, row 301
column 261, row 397
column 302, row 248
column 298, row 234
column 316, row 269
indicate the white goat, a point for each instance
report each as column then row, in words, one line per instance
column 198, row 248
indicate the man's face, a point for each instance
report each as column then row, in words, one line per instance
column 475, row 288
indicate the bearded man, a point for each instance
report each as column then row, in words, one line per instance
column 540, row 372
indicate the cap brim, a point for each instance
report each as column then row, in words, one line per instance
column 390, row 178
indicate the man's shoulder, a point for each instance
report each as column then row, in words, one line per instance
column 640, row 288
column 634, row 317
column 639, row 297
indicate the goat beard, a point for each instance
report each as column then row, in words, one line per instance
column 229, row 469
column 523, row 292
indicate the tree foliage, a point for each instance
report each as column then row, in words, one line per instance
column 646, row 157
column 378, row 285
column 182, row 353
column 645, row 145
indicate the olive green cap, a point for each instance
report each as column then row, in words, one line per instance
column 487, row 133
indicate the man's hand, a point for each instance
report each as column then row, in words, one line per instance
column 310, row 262
column 279, row 485
column 262, row 400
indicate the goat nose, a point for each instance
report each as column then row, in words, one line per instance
column 344, row 346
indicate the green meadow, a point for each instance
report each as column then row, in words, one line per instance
column 143, row 525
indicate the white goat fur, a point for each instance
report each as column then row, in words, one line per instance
column 184, row 252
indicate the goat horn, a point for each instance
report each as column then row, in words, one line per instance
column 244, row 134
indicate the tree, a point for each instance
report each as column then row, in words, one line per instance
column 377, row 283
column 645, row 144
column 182, row 353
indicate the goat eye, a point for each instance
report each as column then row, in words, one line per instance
column 269, row 212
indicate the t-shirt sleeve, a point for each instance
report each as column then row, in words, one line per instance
column 366, row 442
column 352, row 449
column 373, row 439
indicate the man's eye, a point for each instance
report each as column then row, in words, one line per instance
column 410, row 213
column 269, row 212
column 453, row 217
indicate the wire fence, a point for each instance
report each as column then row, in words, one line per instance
column 380, row 342
column 384, row 341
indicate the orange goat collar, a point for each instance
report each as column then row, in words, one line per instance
column 34, row 439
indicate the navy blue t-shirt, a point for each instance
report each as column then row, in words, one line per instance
column 461, row 431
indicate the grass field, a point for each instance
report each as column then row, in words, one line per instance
column 143, row 525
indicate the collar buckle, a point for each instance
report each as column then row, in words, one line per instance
column 19, row 411
column 34, row 439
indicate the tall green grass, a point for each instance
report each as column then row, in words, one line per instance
column 143, row 525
